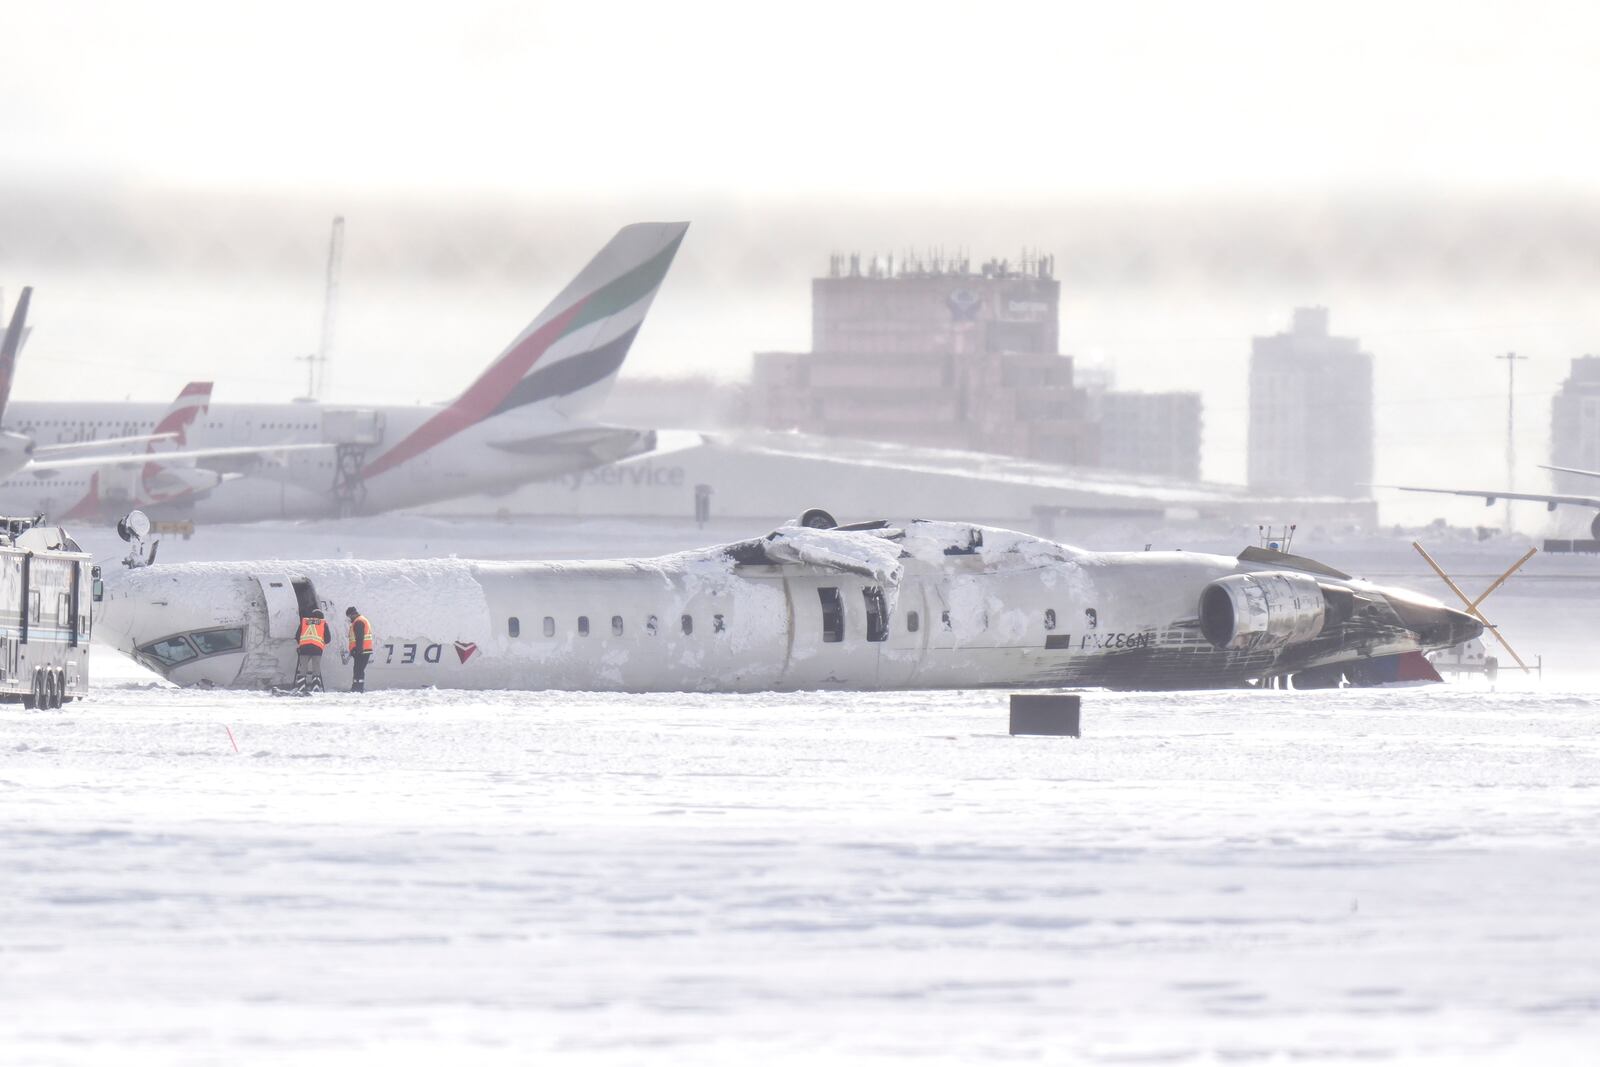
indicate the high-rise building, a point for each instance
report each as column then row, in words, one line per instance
column 935, row 354
column 1151, row 433
column 1310, row 411
column 1575, row 427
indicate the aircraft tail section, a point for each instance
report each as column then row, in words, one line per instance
column 164, row 481
column 568, row 356
column 10, row 344
column 193, row 401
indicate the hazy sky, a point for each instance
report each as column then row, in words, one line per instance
column 1428, row 170
column 810, row 99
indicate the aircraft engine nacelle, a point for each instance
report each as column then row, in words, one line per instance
column 1256, row 612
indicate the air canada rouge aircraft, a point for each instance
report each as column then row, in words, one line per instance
column 521, row 420
column 914, row 605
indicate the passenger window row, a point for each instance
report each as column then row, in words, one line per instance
column 833, row 617
column 618, row 628
column 878, row 617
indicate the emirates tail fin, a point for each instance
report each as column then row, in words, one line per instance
column 569, row 355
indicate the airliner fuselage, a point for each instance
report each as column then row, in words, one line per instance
column 920, row 605
column 309, row 483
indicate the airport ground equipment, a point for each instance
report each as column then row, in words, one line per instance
column 1473, row 606
column 47, row 591
column 1046, row 714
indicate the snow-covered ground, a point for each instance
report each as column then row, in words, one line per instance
column 1245, row 877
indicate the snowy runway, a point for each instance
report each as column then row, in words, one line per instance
column 1228, row 877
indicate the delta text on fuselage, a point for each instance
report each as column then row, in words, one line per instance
column 875, row 606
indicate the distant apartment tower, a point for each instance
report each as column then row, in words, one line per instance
column 1575, row 427
column 1151, row 433
column 1310, row 411
column 933, row 353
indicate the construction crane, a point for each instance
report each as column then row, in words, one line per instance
column 317, row 362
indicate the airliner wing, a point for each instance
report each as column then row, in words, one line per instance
column 1549, row 500
column 670, row 441
column 141, row 458
column 604, row 443
column 1572, row 470
column 47, row 451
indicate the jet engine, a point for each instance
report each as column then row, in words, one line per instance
column 1256, row 612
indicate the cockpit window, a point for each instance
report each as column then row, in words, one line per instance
column 170, row 651
column 181, row 648
column 216, row 642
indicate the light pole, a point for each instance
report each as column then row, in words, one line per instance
column 1511, row 359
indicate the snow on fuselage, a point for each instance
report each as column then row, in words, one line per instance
column 923, row 605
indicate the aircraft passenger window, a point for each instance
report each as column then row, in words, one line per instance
column 169, row 650
column 877, row 614
column 944, row 618
column 514, row 626
column 616, row 626
column 549, row 626
column 1049, row 618
column 688, row 624
column 650, row 626
column 717, row 625
column 216, row 642
column 912, row 622
column 1090, row 619
column 832, row 615
column 583, row 626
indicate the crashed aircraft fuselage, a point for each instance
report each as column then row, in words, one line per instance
column 920, row 605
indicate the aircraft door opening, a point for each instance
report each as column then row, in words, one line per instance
column 305, row 597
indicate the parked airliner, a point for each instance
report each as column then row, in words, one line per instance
column 521, row 420
column 914, row 605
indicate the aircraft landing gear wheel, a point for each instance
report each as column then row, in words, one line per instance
column 30, row 700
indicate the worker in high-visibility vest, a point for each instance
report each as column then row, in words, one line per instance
column 360, row 648
column 313, row 639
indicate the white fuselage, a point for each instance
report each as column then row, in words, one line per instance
column 1017, row 612
column 298, row 484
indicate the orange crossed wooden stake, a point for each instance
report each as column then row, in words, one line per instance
column 1472, row 605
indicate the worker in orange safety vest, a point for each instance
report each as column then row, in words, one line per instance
column 360, row 648
column 313, row 639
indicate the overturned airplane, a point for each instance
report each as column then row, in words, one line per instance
column 915, row 605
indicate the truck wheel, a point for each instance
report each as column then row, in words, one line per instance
column 61, row 689
column 30, row 699
column 52, row 696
